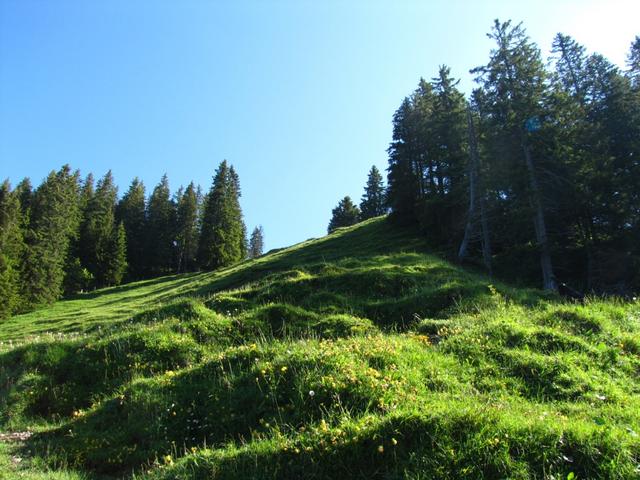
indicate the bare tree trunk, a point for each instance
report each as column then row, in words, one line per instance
column 486, row 238
column 548, row 278
column 474, row 162
column 468, row 230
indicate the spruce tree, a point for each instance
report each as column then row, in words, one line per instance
column 222, row 237
column 160, row 230
column 54, row 218
column 97, row 230
column 187, row 229
column 514, row 85
column 131, row 213
column 11, row 250
column 256, row 243
column 115, row 256
column 373, row 202
column 344, row 215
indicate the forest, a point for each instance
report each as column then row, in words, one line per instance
column 535, row 177
column 71, row 235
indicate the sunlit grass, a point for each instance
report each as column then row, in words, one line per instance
column 356, row 355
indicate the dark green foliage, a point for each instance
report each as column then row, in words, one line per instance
column 99, row 233
column 556, row 151
column 427, row 158
column 160, row 230
column 373, row 202
column 131, row 212
column 53, row 222
column 12, row 249
column 187, row 212
column 116, row 256
column 256, row 243
column 344, row 215
column 223, row 234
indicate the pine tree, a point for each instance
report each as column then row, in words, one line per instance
column 187, row 229
column 115, row 256
column 54, row 219
column 131, row 213
column 256, row 244
column 97, row 230
column 373, row 202
column 514, row 85
column 160, row 230
column 11, row 250
column 222, row 236
column 344, row 215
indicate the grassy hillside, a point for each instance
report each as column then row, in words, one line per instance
column 358, row 355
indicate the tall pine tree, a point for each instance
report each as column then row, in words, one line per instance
column 373, row 202
column 222, row 235
column 131, row 213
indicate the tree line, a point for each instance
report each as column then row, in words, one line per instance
column 535, row 176
column 71, row 234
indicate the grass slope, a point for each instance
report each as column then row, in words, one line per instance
column 356, row 355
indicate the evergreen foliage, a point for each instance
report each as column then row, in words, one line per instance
column 223, row 234
column 131, row 212
column 555, row 150
column 160, row 230
column 97, row 230
column 52, row 224
column 373, row 202
column 256, row 243
column 344, row 215
column 12, row 248
column 187, row 229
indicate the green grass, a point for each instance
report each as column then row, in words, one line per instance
column 358, row 355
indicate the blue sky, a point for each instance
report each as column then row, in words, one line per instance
column 297, row 95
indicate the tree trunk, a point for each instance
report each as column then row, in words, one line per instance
column 474, row 162
column 548, row 278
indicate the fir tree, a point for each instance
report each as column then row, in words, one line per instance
column 256, row 243
column 344, row 215
column 12, row 248
column 373, row 202
column 97, row 229
column 131, row 213
column 54, row 219
column 187, row 229
column 115, row 256
column 160, row 230
column 514, row 86
column 222, row 239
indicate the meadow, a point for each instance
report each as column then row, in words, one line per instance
column 358, row 355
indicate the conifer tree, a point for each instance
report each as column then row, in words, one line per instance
column 187, row 229
column 373, row 202
column 97, row 230
column 256, row 243
column 131, row 213
column 54, row 218
column 160, row 230
column 11, row 250
column 115, row 256
column 633, row 62
column 77, row 277
column 222, row 239
column 344, row 215
column 514, row 85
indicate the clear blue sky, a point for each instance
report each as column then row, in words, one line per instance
column 298, row 95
